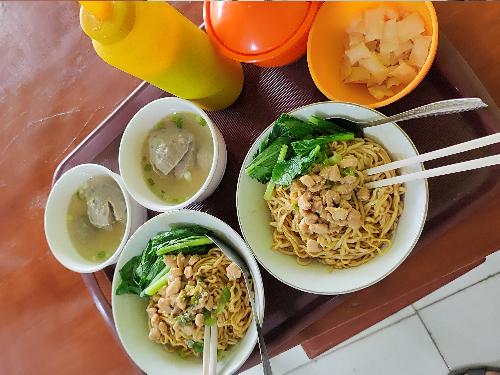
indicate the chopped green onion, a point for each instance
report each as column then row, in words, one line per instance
column 195, row 298
column 201, row 120
column 177, row 120
column 225, row 297
column 101, row 255
column 195, row 345
column 347, row 172
column 334, row 159
column 148, row 167
column 79, row 195
column 151, row 181
column 159, row 125
column 185, row 318
column 208, row 318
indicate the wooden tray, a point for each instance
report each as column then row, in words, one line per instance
column 267, row 93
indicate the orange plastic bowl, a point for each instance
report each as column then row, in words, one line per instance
column 325, row 50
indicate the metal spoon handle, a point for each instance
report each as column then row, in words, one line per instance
column 262, row 345
column 442, row 107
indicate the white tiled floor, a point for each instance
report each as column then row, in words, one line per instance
column 283, row 363
column 466, row 325
column 401, row 348
column 456, row 326
column 395, row 318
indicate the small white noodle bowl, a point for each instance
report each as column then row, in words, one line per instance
column 254, row 216
column 129, row 311
column 56, row 212
column 130, row 152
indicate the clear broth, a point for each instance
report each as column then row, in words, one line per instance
column 177, row 190
column 92, row 243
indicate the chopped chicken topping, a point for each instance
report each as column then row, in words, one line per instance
column 233, row 271
column 324, row 200
column 349, row 161
column 307, row 180
column 354, row 219
column 331, row 173
column 199, row 320
column 343, row 189
column 319, row 228
column 338, row 213
column 304, row 202
column 363, row 194
column 349, row 180
column 310, row 218
column 313, row 246
column 303, row 227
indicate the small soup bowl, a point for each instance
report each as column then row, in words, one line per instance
column 131, row 149
column 56, row 213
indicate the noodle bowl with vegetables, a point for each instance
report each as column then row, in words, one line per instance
column 269, row 214
column 203, row 290
column 189, row 283
column 328, row 215
column 320, row 209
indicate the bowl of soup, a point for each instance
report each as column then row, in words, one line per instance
column 89, row 217
column 171, row 155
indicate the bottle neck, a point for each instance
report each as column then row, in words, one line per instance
column 107, row 21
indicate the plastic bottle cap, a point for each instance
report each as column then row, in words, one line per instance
column 106, row 21
column 99, row 9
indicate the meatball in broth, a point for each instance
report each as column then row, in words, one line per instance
column 96, row 219
column 177, row 156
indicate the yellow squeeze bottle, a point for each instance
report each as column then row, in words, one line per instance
column 156, row 43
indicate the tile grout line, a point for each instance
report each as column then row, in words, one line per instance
column 433, row 341
column 440, row 300
column 400, row 320
column 322, row 355
column 455, row 292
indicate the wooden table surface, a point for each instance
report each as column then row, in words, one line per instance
column 53, row 91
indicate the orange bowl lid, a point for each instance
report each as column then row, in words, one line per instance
column 254, row 27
